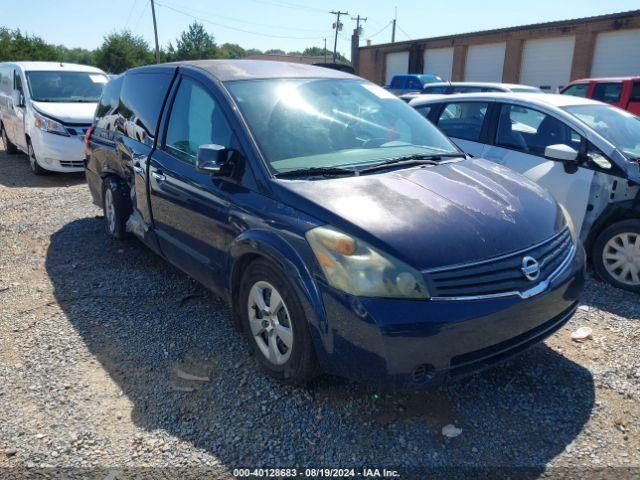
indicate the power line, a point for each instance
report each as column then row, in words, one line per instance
column 133, row 6
column 144, row 9
column 235, row 28
column 380, row 31
column 405, row 33
column 337, row 26
column 283, row 4
column 359, row 19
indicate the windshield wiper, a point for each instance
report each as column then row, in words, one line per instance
column 316, row 171
column 404, row 160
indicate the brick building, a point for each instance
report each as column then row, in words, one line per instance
column 547, row 55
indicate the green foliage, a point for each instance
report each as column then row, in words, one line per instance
column 232, row 50
column 76, row 55
column 275, row 51
column 122, row 50
column 16, row 46
column 195, row 43
column 319, row 52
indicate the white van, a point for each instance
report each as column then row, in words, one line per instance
column 45, row 110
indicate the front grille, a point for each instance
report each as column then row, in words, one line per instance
column 72, row 163
column 78, row 130
column 502, row 275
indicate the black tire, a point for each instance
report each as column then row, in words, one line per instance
column 116, row 205
column 33, row 161
column 301, row 365
column 9, row 147
column 630, row 228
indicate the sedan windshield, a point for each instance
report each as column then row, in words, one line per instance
column 66, row 86
column 327, row 123
column 619, row 127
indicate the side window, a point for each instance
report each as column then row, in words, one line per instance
column 531, row 131
column 577, row 90
column 17, row 81
column 635, row 93
column 463, row 120
column 424, row 110
column 397, row 82
column 414, row 84
column 441, row 89
column 196, row 119
column 107, row 110
column 607, row 92
column 140, row 104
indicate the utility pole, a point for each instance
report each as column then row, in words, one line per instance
column 325, row 50
column 155, row 30
column 358, row 19
column 338, row 27
column 393, row 29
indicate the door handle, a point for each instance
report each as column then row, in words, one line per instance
column 159, row 176
column 137, row 168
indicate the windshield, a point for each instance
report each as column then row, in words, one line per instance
column 66, row 86
column 319, row 123
column 619, row 127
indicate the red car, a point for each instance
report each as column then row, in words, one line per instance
column 623, row 92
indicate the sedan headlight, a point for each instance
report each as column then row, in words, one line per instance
column 48, row 125
column 357, row 268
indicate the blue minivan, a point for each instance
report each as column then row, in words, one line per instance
column 348, row 233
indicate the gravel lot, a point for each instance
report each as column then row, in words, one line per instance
column 94, row 334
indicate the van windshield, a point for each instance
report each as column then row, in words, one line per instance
column 320, row 123
column 619, row 127
column 66, row 86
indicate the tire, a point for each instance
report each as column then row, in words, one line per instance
column 33, row 161
column 289, row 355
column 616, row 255
column 9, row 147
column 116, row 205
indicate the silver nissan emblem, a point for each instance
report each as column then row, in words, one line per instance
column 530, row 268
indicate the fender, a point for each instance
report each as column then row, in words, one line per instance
column 614, row 212
column 279, row 251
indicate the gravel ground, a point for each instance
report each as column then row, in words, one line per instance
column 94, row 335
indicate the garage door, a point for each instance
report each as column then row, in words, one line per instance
column 484, row 63
column 439, row 61
column 397, row 64
column 546, row 62
column 616, row 54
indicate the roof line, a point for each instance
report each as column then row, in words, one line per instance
column 554, row 23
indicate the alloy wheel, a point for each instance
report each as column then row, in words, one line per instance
column 109, row 211
column 621, row 258
column 270, row 322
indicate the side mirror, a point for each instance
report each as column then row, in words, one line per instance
column 18, row 99
column 211, row 158
column 561, row 152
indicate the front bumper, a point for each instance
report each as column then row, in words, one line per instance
column 409, row 344
column 58, row 153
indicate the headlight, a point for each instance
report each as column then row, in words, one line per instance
column 569, row 220
column 357, row 268
column 47, row 125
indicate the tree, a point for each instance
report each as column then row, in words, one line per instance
column 76, row 55
column 275, row 51
column 16, row 46
column 195, row 43
column 320, row 52
column 232, row 50
column 121, row 51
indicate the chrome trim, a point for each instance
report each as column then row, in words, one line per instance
column 494, row 259
column 541, row 287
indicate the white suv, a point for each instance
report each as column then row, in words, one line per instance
column 45, row 110
column 586, row 153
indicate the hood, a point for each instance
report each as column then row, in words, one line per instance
column 434, row 216
column 74, row 112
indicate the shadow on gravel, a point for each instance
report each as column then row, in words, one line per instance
column 16, row 173
column 141, row 318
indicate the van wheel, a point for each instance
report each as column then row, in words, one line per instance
column 9, row 147
column 275, row 324
column 616, row 255
column 117, row 207
column 33, row 161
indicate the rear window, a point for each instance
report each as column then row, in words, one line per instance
column 397, row 82
column 431, row 90
column 607, row 92
column 140, row 103
column 109, row 101
column 577, row 90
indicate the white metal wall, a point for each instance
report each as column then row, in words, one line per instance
column 546, row 62
column 616, row 54
column 439, row 61
column 397, row 64
column 485, row 62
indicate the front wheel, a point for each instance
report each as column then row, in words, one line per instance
column 616, row 255
column 33, row 161
column 275, row 324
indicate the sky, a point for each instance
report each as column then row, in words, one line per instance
column 285, row 24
